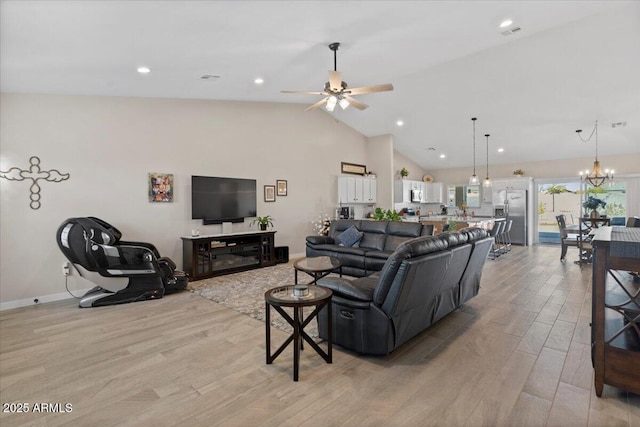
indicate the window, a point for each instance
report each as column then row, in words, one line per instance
column 566, row 197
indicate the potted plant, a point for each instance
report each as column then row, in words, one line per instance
column 388, row 215
column 404, row 173
column 263, row 222
column 594, row 203
column 518, row 172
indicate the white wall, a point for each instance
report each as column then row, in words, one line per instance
column 380, row 160
column 416, row 172
column 110, row 144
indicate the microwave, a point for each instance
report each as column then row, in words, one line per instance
column 416, row 195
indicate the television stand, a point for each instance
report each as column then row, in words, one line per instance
column 218, row 254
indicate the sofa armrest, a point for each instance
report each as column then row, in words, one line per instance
column 360, row 289
column 320, row 240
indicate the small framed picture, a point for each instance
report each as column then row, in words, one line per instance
column 160, row 187
column 353, row 168
column 269, row 193
column 281, row 186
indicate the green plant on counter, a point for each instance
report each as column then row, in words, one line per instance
column 452, row 225
column 263, row 222
column 388, row 215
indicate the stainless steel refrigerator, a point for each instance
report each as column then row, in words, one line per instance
column 515, row 208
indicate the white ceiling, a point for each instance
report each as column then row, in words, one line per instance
column 573, row 62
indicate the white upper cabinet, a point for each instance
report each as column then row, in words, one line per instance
column 357, row 190
column 431, row 192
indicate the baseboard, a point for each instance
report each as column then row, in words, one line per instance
column 65, row 295
column 40, row 300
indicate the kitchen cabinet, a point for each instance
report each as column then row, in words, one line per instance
column 357, row 190
column 433, row 192
column 369, row 190
column 402, row 191
column 521, row 183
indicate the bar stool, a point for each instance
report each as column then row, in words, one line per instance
column 507, row 235
column 495, row 231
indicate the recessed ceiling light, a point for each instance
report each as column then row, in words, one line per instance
column 506, row 23
column 500, row 150
column 144, row 70
column 259, row 81
column 442, row 156
column 399, row 122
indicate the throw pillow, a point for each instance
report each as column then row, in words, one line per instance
column 350, row 237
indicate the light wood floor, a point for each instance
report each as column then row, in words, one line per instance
column 516, row 355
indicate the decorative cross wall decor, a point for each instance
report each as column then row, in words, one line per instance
column 34, row 174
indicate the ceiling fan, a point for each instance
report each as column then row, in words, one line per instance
column 337, row 92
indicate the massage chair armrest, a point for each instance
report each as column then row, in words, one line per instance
column 147, row 245
column 162, row 260
column 320, row 240
column 359, row 290
column 123, row 260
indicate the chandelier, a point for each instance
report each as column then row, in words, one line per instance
column 597, row 176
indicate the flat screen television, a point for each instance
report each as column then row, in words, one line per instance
column 217, row 200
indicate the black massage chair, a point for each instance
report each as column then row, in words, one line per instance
column 121, row 271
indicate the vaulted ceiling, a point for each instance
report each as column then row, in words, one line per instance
column 571, row 63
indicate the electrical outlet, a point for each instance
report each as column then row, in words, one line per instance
column 65, row 269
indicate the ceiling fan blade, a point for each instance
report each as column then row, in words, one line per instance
column 335, row 81
column 369, row 89
column 357, row 104
column 317, row 104
column 304, row 92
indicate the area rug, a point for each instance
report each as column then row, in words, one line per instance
column 244, row 293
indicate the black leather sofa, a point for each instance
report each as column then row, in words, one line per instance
column 422, row 281
column 379, row 241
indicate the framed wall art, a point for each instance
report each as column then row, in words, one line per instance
column 269, row 193
column 281, row 187
column 353, row 168
column 160, row 187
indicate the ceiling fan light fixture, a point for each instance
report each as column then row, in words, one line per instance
column 338, row 89
column 331, row 103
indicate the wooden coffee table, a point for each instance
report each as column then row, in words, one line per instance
column 283, row 296
column 317, row 267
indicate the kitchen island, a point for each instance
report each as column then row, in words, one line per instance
column 439, row 221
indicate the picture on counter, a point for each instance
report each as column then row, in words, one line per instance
column 269, row 193
column 160, row 187
column 281, row 184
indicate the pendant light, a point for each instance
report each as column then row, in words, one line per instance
column 473, row 180
column 597, row 176
column 487, row 180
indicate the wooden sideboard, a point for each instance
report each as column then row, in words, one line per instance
column 215, row 255
column 615, row 322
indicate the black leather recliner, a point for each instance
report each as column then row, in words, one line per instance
column 422, row 281
column 121, row 271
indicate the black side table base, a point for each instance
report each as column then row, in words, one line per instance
column 299, row 335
